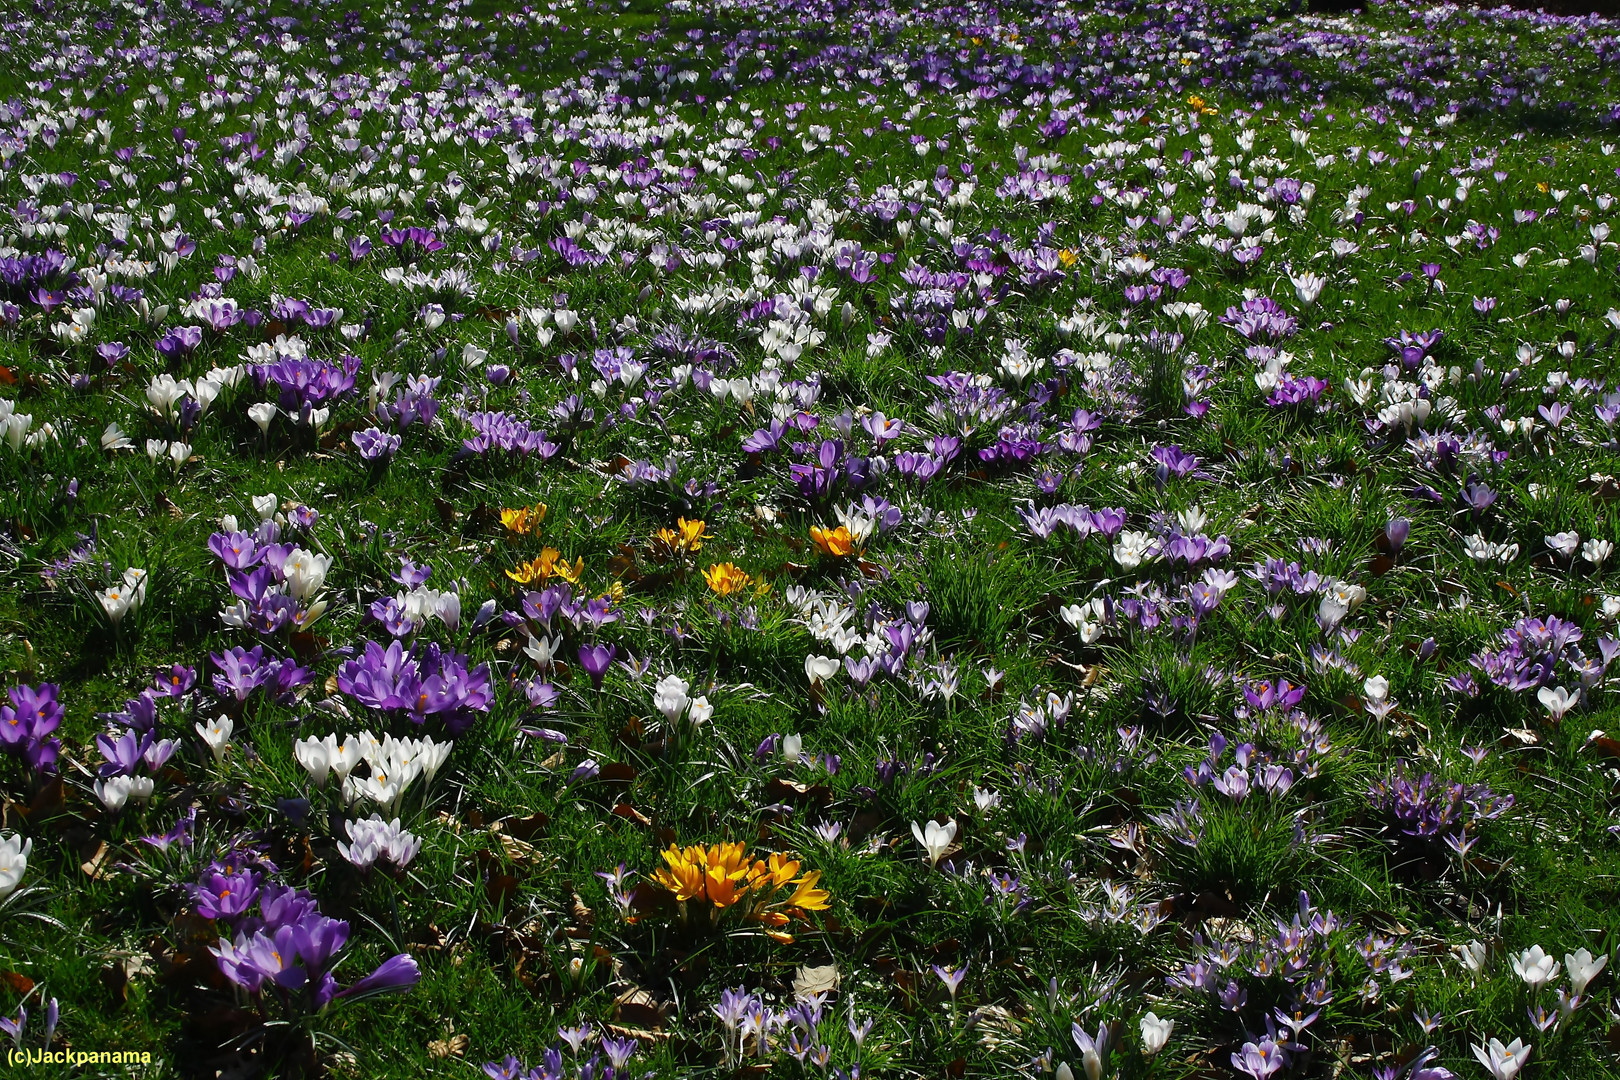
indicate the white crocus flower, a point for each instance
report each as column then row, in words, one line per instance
column 343, row 758
column 542, row 650
column 14, row 852
column 1504, row 1062
column 113, row 438
column 262, row 413
column 316, row 755
column 670, row 697
column 114, row 792
column 699, row 712
column 217, row 736
column 936, row 840
column 1535, row 967
column 818, row 669
column 1557, row 701
column 125, row 597
column 164, row 392
column 1016, row 362
column 1132, row 549
column 305, row 572
column 431, row 756
column 1308, row 286
column 1583, row 968
column 1155, row 1034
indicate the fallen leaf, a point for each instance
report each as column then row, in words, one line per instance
column 454, row 1046
column 815, row 980
column 116, row 979
column 92, row 865
column 625, row 810
column 518, row 851
column 637, row 1008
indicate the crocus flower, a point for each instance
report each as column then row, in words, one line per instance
column 1155, row 1034
column 217, row 736
column 1564, row 543
column 936, row 840
column 726, row 578
column 952, row 977
column 596, row 659
column 1535, row 967
column 124, row 597
column 374, row 838
column 1093, row 1049
column 1504, row 1062
column 1583, row 968
column 316, row 755
column 818, row 669
column 1557, row 701
column 14, row 852
column 1259, row 1060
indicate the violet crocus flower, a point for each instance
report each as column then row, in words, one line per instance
column 1259, row 1060
column 1093, row 1049
column 26, row 725
column 1478, row 499
column 1395, row 534
column 619, row 1051
column 1173, row 461
column 122, row 754
column 32, row 713
column 241, row 671
column 225, row 894
column 952, row 977
column 596, row 659
column 176, row 682
column 375, row 444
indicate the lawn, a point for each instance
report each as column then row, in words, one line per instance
column 733, row 538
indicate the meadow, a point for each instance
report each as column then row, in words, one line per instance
column 824, row 538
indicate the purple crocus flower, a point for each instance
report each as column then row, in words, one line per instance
column 27, row 722
column 237, row 550
column 241, row 671
column 1173, row 461
column 122, row 754
column 31, row 714
column 595, row 659
column 177, row 681
column 619, row 1051
column 1478, row 498
column 396, row 974
column 1395, row 533
column 375, row 444
column 1259, row 1060
column 225, row 894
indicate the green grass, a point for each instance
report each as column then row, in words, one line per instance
column 497, row 926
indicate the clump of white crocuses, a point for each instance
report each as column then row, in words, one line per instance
column 124, row 597
column 394, row 764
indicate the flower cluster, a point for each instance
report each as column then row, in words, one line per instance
column 770, row 891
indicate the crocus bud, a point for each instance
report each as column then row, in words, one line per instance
column 1396, row 532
